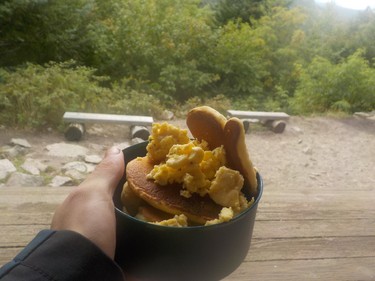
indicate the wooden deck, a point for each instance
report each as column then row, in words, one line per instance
column 298, row 235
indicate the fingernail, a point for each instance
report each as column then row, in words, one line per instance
column 114, row 150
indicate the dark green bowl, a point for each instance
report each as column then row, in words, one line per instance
column 199, row 253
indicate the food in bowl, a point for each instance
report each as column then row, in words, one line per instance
column 183, row 182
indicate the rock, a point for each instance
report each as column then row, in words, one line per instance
column 167, row 115
column 74, row 174
column 20, row 142
column 297, row 129
column 6, row 167
column 365, row 115
column 34, row 166
column 361, row 114
column 20, row 179
column 61, row 181
column 94, row 159
column 81, row 167
column 307, row 150
column 66, row 150
column 12, row 151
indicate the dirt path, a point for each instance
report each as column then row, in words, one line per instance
column 317, row 153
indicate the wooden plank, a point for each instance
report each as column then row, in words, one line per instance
column 29, row 205
column 13, row 236
column 311, row 248
column 306, row 234
column 81, row 117
column 348, row 269
column 260, row 115
column 314, row 228
column 8, row 253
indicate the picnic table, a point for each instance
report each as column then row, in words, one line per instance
column 298, row 234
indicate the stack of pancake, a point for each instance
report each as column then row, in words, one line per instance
column 146, row 199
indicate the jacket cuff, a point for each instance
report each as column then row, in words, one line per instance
column 64, row 255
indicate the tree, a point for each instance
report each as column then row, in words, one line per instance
column 284, row 39
column 348, row 86
column 244, row 10
column 166, row 43
column 239, row 61
column 39, row 31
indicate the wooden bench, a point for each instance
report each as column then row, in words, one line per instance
column 77, row 120
column 274, row 120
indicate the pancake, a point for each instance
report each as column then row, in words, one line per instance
column 130, row 200
column 237, row 154
column 205, row 123
column 167, row 198
column 150, row 214
column 208, row 124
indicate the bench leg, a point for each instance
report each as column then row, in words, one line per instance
column 74, row 132
column 246, row 125
column 139, row 132
column 277, row 126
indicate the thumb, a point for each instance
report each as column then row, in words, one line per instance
column 108, row 172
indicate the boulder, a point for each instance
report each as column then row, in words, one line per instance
column 93, row 159
column 21, row 179
column 66, row 150
column 61, row 181
column 34, row 166
column 20, row 142
column 6, row 167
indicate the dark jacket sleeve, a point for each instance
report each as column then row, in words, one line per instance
column 61, row 256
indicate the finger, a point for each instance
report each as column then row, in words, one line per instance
column 108, row 172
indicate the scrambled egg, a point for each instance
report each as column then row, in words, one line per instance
column 199, row 170
column 190, row 165
column 163, row 137
column 226, row 214
column 226, row 188
column 177, row 220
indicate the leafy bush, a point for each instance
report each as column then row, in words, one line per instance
column 219, row 102
column 348, row 86
column 166, row 42
column 135, row 97
column 40, row 31
column 37, row 96
column 238, row 61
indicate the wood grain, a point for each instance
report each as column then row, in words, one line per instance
column 298, row 235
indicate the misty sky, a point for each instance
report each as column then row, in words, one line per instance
column 352, row 4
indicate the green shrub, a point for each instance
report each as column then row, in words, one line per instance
column 137, row 103
column 348, row 86
column 37, row 96
column 219, row 102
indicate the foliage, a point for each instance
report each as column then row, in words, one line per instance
column 140, row 57
column 244, row 10
column 37, row 96
column 219, row 102
column 238, row 60
column 167, row 42
column 348, row 86
column 39, row 31
column 135, row 98
column 281, row 31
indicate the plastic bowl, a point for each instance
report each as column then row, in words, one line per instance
column 160, row 253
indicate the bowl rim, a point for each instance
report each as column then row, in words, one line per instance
column 222, row 224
